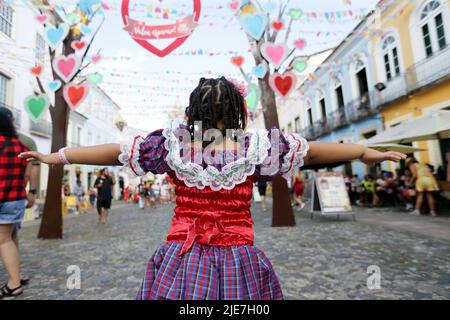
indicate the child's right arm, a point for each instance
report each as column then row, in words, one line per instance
column 106, row 154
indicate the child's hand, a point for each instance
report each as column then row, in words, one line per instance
column 44, row 158
column 372, row 157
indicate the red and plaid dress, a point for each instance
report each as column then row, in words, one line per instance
column 12, row 170
column 209, row 253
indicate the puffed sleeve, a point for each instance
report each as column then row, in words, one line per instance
column 286, row 154
column 140, row 156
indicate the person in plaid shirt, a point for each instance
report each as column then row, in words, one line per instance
column 14, row 173
column 210, row 252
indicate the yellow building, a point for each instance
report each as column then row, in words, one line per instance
column 410, row 45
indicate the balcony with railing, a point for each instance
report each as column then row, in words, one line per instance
column 308, row 133
column 337, row 119
column 17, row 114
column 41, row 128
column 429, row 70
column 321, row 127
column 395, row 89
column 361, row 107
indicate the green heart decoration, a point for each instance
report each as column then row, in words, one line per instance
column 36, row 106
column 72, row 19
column 300, row 65
column 95, row 78
column 252, row 97
column 296, row 13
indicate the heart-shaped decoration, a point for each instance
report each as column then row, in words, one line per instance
column 36, row 71
column 54, row 85
column 86, row 30
column 95, row 78
column 300, row 44
column 234, row 5
column 96, row 58
column 274, row 53
column 55, row 36
column 78, row 45
column 254, row 25
column 283, row 84
column 300, row 65
column 72, row 19
column 260, row 70
column 75, row 94
column 278, row 25
column 252, row 97
column 295, row 13
column 140, row 37
column 67, row 67
column 238, row 61
column 42, row 18
column 36, row 106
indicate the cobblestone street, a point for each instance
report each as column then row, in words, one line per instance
column 317, row 259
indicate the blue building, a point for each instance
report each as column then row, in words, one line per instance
column 340, row 103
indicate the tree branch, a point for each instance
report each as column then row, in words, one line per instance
column 88, row 47
column 245, row 76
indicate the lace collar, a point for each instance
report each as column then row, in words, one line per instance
column 230, row 175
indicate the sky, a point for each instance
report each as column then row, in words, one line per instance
column 147, row 87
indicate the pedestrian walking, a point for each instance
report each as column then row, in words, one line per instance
column 298, row 183
column 425, row 184
column 79, row 193
column 104, row 184
column 262, row 188
column 212, row 228
column 15, row 173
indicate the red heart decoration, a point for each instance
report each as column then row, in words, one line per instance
column 277, row 25
column 175, row 44
column 75, row 94
column 78, row 45
column 36, row 71
column 238, row 61
column 283, row 84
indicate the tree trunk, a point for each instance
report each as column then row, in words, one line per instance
column 52, row 223
column 282, row 214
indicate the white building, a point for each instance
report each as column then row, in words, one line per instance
column 22, row 46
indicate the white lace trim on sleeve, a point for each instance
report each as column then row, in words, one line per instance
column 298, row 149
column 129, row 157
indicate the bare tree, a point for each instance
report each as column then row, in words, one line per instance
column 282, row 210
column 51, row 225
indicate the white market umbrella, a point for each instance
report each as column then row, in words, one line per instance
column 435, row 125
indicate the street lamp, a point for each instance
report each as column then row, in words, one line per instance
column 120, row 123
column 380, row 86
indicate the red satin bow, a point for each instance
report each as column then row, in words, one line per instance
column 203, row 229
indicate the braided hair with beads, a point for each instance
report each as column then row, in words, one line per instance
column 214, row 101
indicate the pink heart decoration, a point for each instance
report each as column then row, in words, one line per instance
column 96, row 58
column 300, row 44
column 67, row 66
column 234, row 5
column 274, row 53
column 75, row 94
column 42, row 18
column 283, row 84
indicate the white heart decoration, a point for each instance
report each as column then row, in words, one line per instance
column 67, row 66
column 275, row 53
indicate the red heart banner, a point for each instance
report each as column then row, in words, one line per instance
column 75, row 94
column 142, row 33
column 283, row 84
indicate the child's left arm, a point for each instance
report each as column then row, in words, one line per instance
column 323, row 153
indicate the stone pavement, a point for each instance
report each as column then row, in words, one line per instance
column 318, row 259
